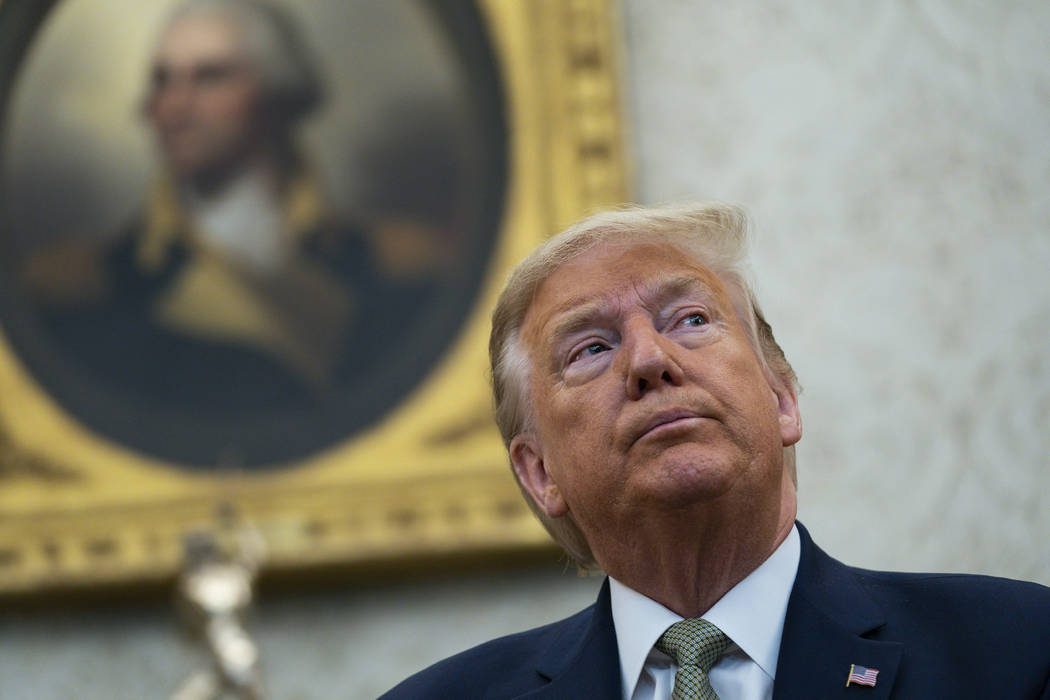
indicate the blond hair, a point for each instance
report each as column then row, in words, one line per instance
column 714, row 234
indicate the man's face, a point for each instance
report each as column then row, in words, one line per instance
column 205, row 98
column 647, row 393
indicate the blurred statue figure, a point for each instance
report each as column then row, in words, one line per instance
column 215, row 593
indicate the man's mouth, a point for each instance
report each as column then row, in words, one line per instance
column 665, row 421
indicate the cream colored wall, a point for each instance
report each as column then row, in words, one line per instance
column 896, row 158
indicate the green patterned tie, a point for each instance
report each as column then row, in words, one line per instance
column 695, row 645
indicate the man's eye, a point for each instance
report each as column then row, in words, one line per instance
column 213, row 73
column 160, row 78
column 589, row 350
column 694, row 320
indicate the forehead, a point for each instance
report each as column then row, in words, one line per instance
column 599, row 279
column 200, row 37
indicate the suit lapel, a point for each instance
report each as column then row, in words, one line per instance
column 829, row 613
column 584, row 667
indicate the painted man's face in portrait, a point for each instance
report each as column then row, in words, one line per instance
column 205, row 99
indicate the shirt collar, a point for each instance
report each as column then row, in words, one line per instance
column 303, row 204
column 751, row 614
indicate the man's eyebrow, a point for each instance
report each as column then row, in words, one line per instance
column 664, row 289
column 579, row 316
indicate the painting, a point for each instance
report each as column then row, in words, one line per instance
column 201, row 278
column 247, row 249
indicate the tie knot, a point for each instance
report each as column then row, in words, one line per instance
column 693, row 642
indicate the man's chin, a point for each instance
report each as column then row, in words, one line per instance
column 191, row 159
column 186, row 166
column 683, row 477
column 202, row 174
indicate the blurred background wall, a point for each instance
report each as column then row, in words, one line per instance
column 895, row 157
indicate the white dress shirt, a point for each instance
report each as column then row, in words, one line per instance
column 751, row 614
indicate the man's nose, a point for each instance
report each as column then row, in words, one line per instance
column 650, row 359
column 173, row 99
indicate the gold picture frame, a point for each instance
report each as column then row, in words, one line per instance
column 81, row 508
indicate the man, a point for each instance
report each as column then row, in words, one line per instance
column 237, row 286
column 650, row 418
column 230, row 81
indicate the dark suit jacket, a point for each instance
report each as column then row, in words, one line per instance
column 931, row 637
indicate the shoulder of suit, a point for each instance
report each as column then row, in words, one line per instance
column 964, row 585
column 500, row 667
column 963, row 600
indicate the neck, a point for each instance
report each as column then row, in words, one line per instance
column 264, row 164
column 688, row 560
column 253, row 177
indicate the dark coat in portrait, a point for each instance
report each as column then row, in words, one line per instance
column 162, row 315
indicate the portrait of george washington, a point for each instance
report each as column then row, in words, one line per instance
column 256, row 287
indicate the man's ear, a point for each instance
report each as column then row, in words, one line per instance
column 787, row 410
column 527, row 458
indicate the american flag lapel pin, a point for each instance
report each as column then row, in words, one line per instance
column 861, row 675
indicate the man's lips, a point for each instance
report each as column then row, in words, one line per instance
column 663, row 420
